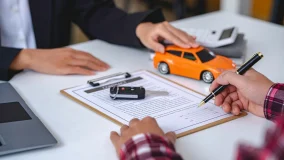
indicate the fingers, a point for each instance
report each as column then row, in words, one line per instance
column 87, row 64
column 114, row 137
column 80, row 55
column 168, row 35
column 94, row 59
column 156, row 46
column 133, row 122
column 77, row 70
column 236, row 107
column 123, row 129
column 227, row 104
column 150, row 120
column 182, row 35
column 171, row 137
column 219, row 99
column 229, row 77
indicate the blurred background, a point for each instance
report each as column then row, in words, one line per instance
column 267, row 10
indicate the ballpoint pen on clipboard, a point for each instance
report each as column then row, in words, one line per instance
column 104, row 80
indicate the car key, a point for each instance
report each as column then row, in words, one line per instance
column 133, row 93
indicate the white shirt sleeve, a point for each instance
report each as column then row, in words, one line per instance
column 16, row 28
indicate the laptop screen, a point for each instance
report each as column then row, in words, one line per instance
column 11, row 112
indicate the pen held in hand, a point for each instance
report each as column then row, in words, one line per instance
column 246, row 66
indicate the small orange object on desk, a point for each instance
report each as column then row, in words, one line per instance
column 198, row 63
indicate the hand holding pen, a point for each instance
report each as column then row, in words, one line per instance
column 246, row 66
column 242, row 92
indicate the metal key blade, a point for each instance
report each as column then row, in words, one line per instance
column 156, row 93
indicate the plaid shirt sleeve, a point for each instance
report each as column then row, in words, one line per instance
column 148, row 147
column 274, row 102
column 274, row 141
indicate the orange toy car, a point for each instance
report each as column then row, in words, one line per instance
column 198, row 63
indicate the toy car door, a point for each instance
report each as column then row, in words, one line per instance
column 191, row 66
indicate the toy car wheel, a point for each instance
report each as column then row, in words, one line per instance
column 207, row 77
column 163, row 68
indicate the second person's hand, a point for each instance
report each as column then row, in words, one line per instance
column 136, row 126
column 151, row 34
column 61, row 61
column 245, row 92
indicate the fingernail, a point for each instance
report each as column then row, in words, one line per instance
column 187, row 46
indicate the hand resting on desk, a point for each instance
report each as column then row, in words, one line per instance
column 61, row 61
column 136, row 127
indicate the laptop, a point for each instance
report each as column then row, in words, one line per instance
column 20, row 128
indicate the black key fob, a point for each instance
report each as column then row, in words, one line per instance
column 127, row 93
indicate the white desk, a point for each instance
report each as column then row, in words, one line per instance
column 82, row 134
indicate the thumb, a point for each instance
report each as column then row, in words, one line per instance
column 156, row 46
column 114, row 137
column 171, row 137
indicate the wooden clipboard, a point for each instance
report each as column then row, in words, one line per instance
column 178, row 135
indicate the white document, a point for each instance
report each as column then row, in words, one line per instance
column 176, row 112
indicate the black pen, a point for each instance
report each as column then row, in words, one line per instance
column 246, row 66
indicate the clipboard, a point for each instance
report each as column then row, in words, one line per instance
column 215, row 123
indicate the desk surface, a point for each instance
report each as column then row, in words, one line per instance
column 82, row 134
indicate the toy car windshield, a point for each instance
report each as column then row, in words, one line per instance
column 205, row 55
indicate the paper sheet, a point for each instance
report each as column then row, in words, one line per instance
column 176, row 112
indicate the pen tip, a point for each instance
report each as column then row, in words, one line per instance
column 201, row 104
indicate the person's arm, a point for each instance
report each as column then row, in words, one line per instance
column 273, row 146
column 61, row 61
column 7, row 55
column 148, row 146
column 103, row 20
column 144, row 139
column 255, row 93
column 274, row 102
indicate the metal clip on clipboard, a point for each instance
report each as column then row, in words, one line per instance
column 95, row 82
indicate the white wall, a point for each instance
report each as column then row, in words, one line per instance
column 236, row 6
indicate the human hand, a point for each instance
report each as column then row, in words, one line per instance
column 150, row 34
column 61, row 61
column 146, row 125
column 245, row 92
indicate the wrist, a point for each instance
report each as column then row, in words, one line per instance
column 22, row 60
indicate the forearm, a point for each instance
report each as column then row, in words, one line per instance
column 148, row 146
column 274, row 102
column 103, row 20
